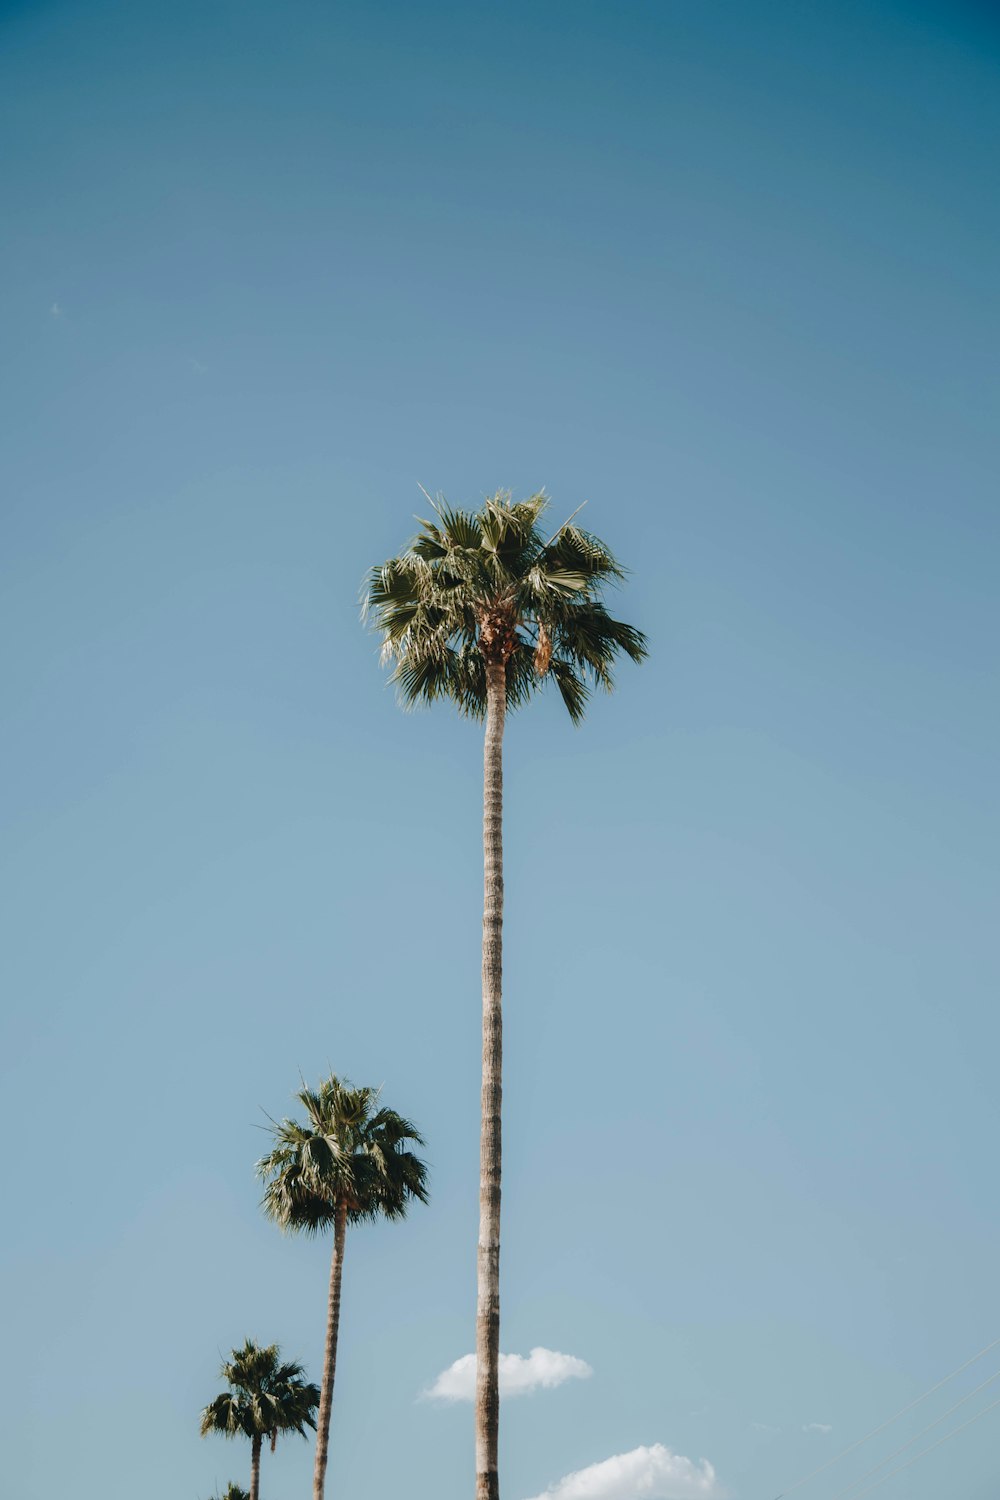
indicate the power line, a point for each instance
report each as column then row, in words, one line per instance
column 914, row 1439
column 923, row 1454
column 883, row 1425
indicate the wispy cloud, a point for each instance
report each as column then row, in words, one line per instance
column 764, row 1427
column 540, row 1370
column 55, row 311
column 654, row 1473
column 817, row 1427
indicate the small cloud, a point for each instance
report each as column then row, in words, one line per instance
column 817, row 1427
column 542, row 1369
column 765, row 1427
column 55, row 311
column 198, row 367
column 654, row 1473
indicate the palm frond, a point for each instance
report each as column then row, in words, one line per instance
column 429, row 544
column 581, row 552
column 424, row 677
column 590, row 637
column 572, row 688
column 460, row 528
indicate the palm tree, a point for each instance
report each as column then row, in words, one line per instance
column 482, row 610
column 349, row 1164
column 265, row 1397
column 233, row 1492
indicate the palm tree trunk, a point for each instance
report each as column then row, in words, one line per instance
column 255, row 1444
column 488, row 1259
column 330, row 1353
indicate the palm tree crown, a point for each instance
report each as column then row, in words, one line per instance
column 487, row 586
column 265, row 1397
column 350, row 1153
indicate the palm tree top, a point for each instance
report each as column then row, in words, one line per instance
column 476, row 587
column 267, row 1395
column 351, row 1154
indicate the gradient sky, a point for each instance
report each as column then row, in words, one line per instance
column 727, row 271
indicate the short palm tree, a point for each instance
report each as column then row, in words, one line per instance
column 349, row 1163
column 265, row 1397
column 233, row 1492
column 483, row 610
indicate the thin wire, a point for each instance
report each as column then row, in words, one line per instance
column 924, row 1452
column 883, row 1425
column 914, row 1439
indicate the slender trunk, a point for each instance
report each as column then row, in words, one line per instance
column 330, row 1353
column 488, row 1259
column 255, row 1443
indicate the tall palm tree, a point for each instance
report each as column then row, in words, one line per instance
column 265, row 1397
column 484, row 611
column 348, row 1164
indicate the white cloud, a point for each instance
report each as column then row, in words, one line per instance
column 644, row 1474
column 765, row 1427
column 519, row 1374
column 55, row 310
column 817, row 1427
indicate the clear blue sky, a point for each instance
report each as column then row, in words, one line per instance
column 728, row 272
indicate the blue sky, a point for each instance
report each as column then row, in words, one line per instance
column 727, row 273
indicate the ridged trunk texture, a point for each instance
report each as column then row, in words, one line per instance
column 488, row 1260
column 330, row 1352
column 255, row 1444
